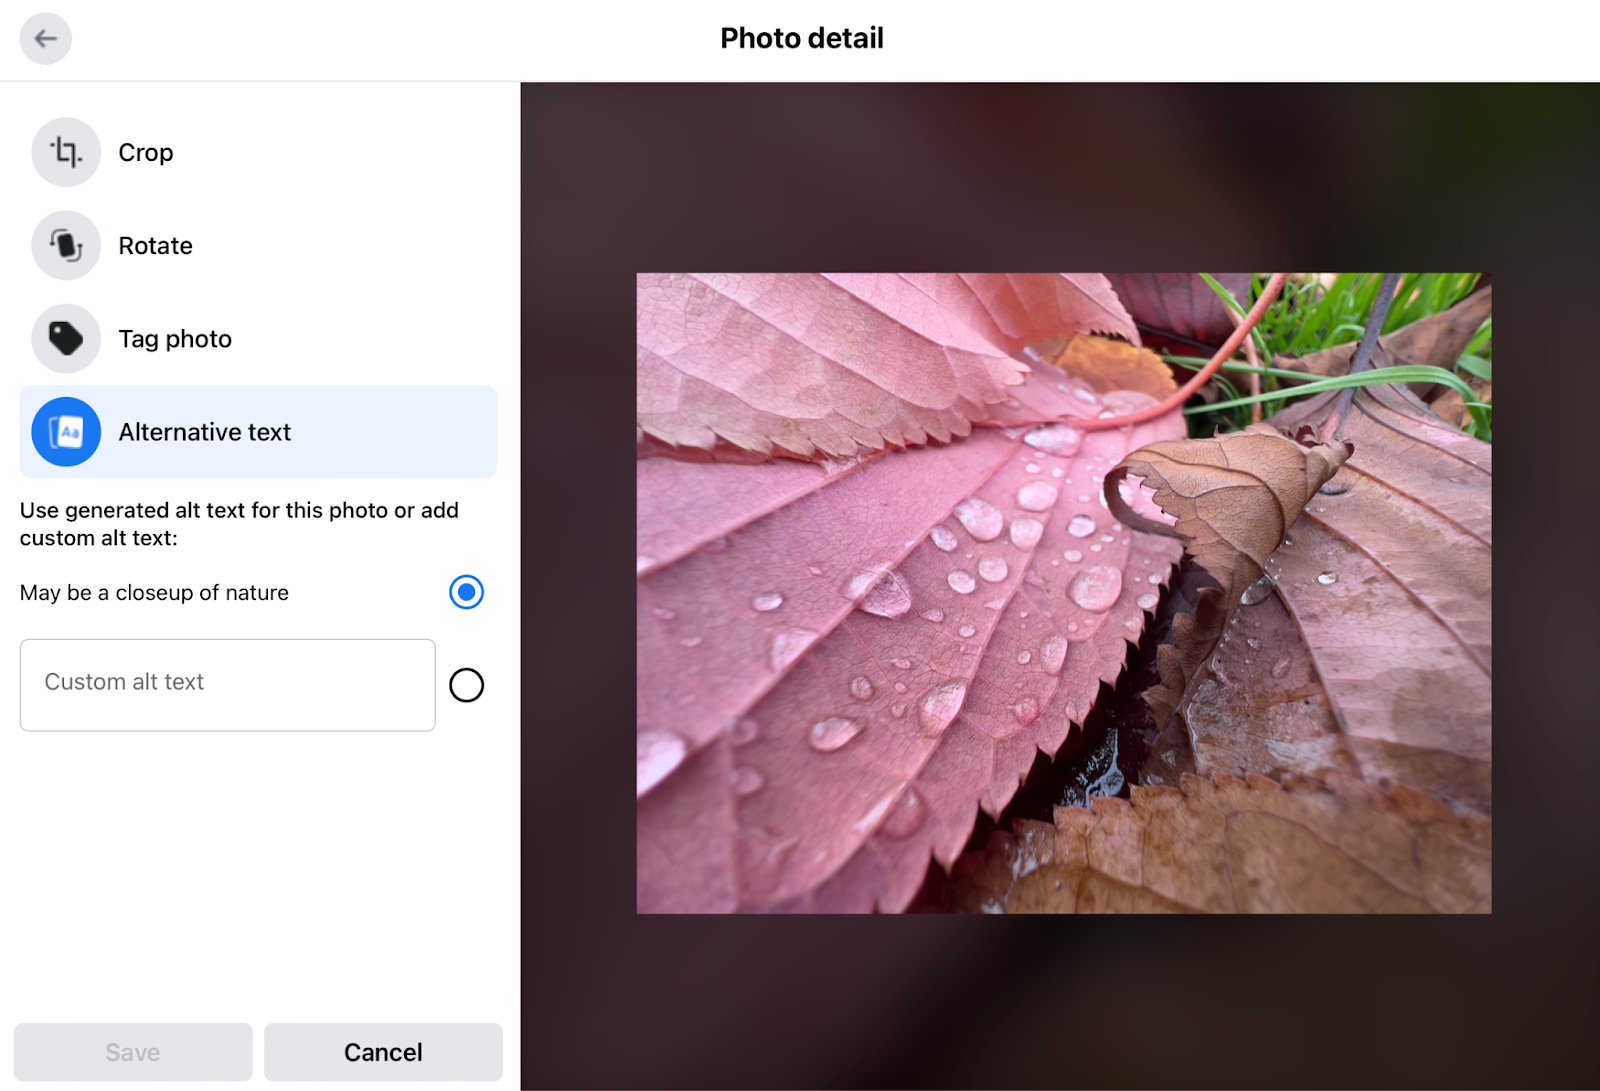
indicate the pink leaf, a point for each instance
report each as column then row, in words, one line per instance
column 804, row 363
column 1013, row 310
column 842, row 668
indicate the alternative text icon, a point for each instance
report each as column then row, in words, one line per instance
column 66, row 431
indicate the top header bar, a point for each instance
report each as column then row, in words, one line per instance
column 1155, row 41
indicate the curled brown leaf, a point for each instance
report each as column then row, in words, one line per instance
column 1234, row 498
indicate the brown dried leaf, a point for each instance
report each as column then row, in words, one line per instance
column 1234, row 498
column 1372, row 653
column 1109, row 365
column 1401, row 638
column 1262, row 709
column 1230, row 846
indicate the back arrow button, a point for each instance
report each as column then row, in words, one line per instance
column 46, row 38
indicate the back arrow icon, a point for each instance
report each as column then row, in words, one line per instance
column 41, row 39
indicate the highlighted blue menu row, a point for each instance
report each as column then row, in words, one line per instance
column 259, row 431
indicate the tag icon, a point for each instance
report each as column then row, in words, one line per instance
column 65, row 337
column 66, row 432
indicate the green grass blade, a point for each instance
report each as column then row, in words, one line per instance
column 1230, row 302
column 1414, row 373
column 1481, row 338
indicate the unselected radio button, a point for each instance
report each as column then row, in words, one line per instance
column 466, row 685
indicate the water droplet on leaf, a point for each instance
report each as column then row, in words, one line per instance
column 746, row 781
column 1281, row 667
column 857, row 585
column 905, row 817
column 992, row 569
column 1072, row 555
column 943, row 538
column 788, row 646
column 690, row 642
column 890, row 597
column 961, row 582
column 834, row 732
column 664, row 614
column 660, row 752
column 966, row 630
column 767, row 600
column 743, row 731
column 1036, row 496
column 1148, row 602
column 1253, row 642
column 1054, row 439
column 861, row 688
column 1026, row 710
column 1025, row 533
column 1081, row 526
column 1032, row 467
column 1053, row 653
column 981, row 518
column 934, row 615
column 1327, row 578
column 1258, row 591
column 1096, row 587
column 940, row 705
column 1024, row 657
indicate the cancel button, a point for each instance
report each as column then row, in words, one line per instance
column 355, row 1051
column 382, row 1051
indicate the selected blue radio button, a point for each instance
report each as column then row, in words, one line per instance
column 466, row 592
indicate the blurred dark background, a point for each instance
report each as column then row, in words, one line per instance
column 624, row 178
